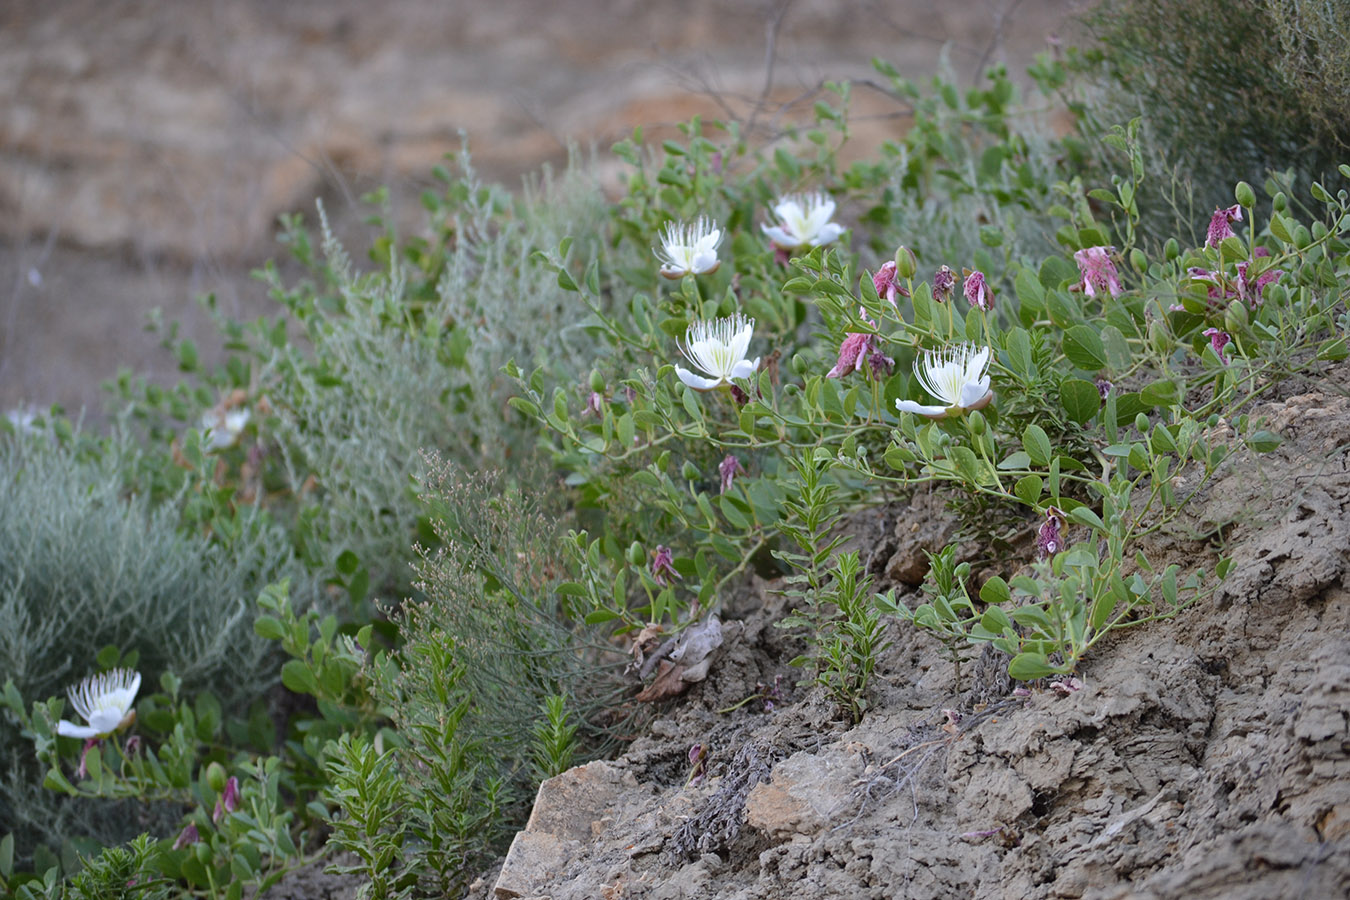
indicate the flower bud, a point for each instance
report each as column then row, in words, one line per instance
column 1244, row 195
column 1159, row 340
column 975, row 422
column 215, row 777
column 1141, row 423
column 1139, row 259
column 597, row 383
column 905, row 263
column 1172, row 249
column 689, row 471
column 636, row 555
column 1235, row 317
column 1281, row 202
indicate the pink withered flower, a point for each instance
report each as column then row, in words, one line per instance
column 228, row 801
column 887, row 283
column 82, row 771
column 1104, row 388
column 852, row 354
column 188, row 835
column 595, row 403
column 1097, row 271
column 1220, row 225
column 977, row 291
column 1050, row 538
column 1251, row 290
column 880, row 364
column 944, row 282
column 728, row 469
column 663, row 564
column 1218, row 340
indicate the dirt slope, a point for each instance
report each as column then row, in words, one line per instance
column 1204, row 758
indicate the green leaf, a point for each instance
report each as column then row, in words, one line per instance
column 967, row 463
column 995, row 592
column 1018, row 345
column 1102, row 608
column 896, row 457
column 1028, row 489
column 1118, row 356
column 1081, row 399
column 1163, row 392
column 269, row 627
column 1264, row 441
column 1333, row 350
column 1084, row 348
column 1030, row 666
column 600, row 616
column 566, row 282
column 7, row 856
column 296, row 676
column 520, row 404
column 1037, row 444
column 1084, row 516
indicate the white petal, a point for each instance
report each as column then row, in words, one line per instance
column 827, row 235
column 705, row 263
column 972, row 392
column 788, row 208
column 780, row 237
column 909, row 406
column 697, row 382
column 745, row 368
column 70, row 729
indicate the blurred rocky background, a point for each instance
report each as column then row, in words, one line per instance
column 147, row 148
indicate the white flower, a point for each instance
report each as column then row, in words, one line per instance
column 689, row 249
column 221, row 427
column 103, row 701
column 22, row 418
column 957, row 375
column 803, row 221
column 718, row 348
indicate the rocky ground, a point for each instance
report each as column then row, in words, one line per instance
column 146, row 149
column 1205, row 757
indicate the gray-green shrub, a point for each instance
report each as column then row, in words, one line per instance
column 83, row 567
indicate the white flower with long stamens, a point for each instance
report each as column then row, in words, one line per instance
column 803, row 221
column 104, row 701
column 718, row 349
column 222, row 427
column 689, row 249
column 957, row 375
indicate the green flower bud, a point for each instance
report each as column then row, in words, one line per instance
column 799, row 365
column 1141, row 423
column 1244, row 195
column 1235, row 317
column 636, row 555
column 905, row 263
column 1281, row 202
column 202, row 851
column 1172, row 249
column 597, row 383
column 689, row 471
column 1139, row 260
column 975, row 422
column 215, row 777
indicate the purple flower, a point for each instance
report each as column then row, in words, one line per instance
column 1049, row 538
column 1104, row 388
column 887, row 283
column 1218, row 340
column 729, row 468
column 228, row 801
column 133, row 746
column 663, row 564
column 595, row 403
column 978, row 292
column 1220, row 225
column 1097, row 271
column 944, row 282
column 188, row 835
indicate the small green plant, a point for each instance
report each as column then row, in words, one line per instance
column 365, row 784
column 555, row 743
column 947, row 612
